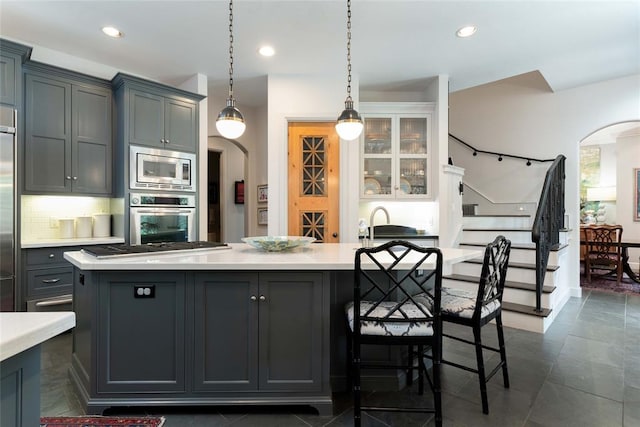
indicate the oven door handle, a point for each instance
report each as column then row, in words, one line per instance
column 161, row 210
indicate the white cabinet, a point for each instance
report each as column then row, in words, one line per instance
column 396, row 154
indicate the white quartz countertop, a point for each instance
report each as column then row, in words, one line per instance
column 322, row 256
column 20, row 331
column 52, row 243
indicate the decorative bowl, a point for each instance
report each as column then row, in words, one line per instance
column 277, row 243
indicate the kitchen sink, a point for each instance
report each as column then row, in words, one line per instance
column 387, row 230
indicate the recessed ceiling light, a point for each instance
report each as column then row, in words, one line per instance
column 467, row 31
column 112, row 32
column 266, row 51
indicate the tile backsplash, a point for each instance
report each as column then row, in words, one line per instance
column 40, row 214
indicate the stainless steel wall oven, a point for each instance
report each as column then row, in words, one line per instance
column 162, row 218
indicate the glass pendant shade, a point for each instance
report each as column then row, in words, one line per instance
column 230, row 122
column 349, row 125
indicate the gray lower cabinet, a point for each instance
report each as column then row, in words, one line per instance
column 49, row 281
column 141, row 341
column 20, row 389
column 258, row 331
column 68, row 134
column 201, row 338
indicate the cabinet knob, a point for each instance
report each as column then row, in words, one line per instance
column 68, row 177
column 263, row 298
column 166, row 141
column 253, row 298
column 162, row 140
column 75, row 178
column 52, row 255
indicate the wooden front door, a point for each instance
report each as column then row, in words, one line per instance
column 314, row 161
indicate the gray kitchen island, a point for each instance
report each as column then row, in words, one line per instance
column 235, row 326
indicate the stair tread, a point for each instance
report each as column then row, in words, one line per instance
column 527, row 266
column 496, row 229
column 498, row 216
column 525, row 309
column 528, row 246
column 507, row 284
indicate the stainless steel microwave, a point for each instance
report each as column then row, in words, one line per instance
column 152, row 168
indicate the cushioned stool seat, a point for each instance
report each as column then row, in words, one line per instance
column 461, row 302
column 408, row 310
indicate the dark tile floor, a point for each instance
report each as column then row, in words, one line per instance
column 585, row 371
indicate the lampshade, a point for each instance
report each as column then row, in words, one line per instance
column 230, row 122
column 601, row 194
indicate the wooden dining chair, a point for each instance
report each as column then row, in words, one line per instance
column 604, row 251
column 384, row 312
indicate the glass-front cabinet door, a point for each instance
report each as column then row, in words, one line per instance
column 396, row 153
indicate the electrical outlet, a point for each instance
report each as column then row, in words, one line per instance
column 53, row 223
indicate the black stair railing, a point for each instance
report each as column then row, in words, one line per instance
column 545, row 232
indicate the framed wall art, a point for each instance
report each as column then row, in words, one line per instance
column 636, row 192
column 263, row 216
column 263, row 193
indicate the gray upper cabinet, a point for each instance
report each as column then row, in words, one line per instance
column 12, row 55
column 68, row 135
column 156, row 115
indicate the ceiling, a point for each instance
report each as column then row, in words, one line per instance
column 397, row 45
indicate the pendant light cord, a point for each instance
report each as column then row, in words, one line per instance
column 231, row 49
column 349, row 50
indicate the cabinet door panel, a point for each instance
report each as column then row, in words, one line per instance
column 48, row 135
column 226, row 332
column 180, row 125
column 141, row 344
column 91, row 140
column 146, row 119
column 8, row 80
column 291, row 331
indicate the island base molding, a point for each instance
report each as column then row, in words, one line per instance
column 96, row 406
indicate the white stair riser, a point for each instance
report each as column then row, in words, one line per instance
column 527, row 256
column 489, row 235
column 496, row 221
column 516, row 236
column 527, row 297
column 524, row 275
column 518, row 296
column 526, row 322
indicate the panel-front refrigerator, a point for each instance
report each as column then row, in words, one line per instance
column 8, row 220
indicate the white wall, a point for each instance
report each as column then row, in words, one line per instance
column 520, row 116
column 310, row 98
column 629, row 158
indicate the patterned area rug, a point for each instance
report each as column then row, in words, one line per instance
column 606, row 284
column 98, row 421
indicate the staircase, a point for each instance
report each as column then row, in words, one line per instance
column 519, row 298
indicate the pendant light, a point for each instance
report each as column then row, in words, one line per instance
column 349, row 124
column 230, row 122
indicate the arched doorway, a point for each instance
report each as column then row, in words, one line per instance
column 224, row 212
column 609, row 159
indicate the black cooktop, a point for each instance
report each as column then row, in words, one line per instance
column 109, row 251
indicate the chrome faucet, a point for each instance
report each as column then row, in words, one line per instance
column 373, row 214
